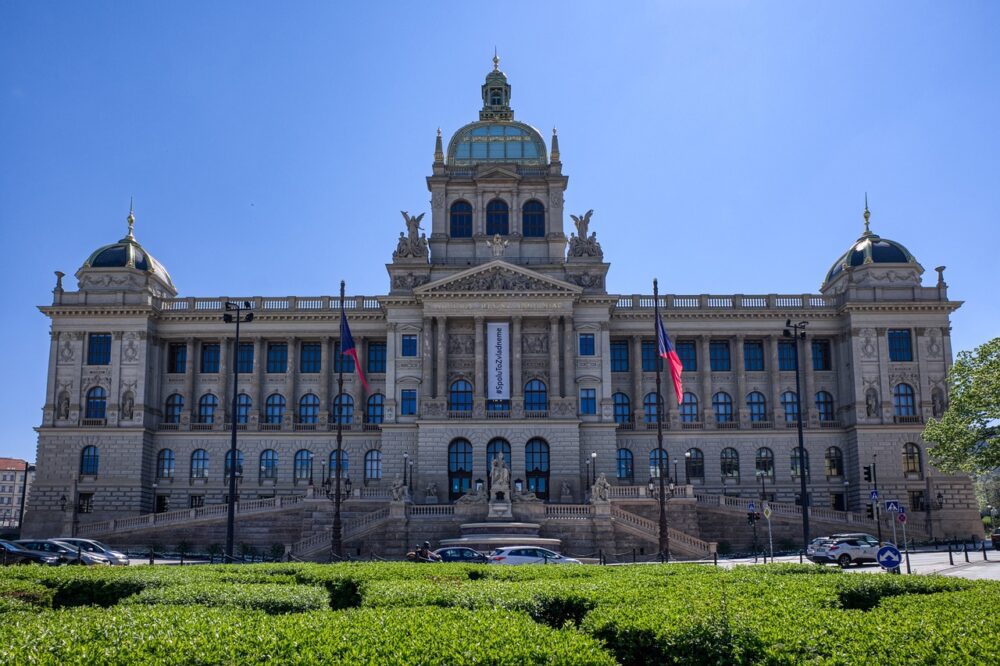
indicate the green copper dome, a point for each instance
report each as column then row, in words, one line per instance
column 127, row 253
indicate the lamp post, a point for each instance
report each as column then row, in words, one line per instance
column 761, row 474
column 675, row 479
column 847, row 494
column 336, row 542
column 235, row 312
column 593, row 467
column 406, row 464
column 798, row 332
column 664, row 526
column 687, row 468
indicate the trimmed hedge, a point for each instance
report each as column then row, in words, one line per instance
column 269, row 598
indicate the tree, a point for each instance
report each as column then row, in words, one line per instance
column 967, row 438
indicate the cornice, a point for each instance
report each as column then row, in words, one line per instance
column 97, row 310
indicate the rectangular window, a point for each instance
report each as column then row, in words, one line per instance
column 197, row 501
column 376, row 357
column 177, row 357
column 99, row 349
column 900, row 346
column 341, row 363
column 917, row 500
column 786, row 355
column 86, row 503
column 753, row 355
column 209, row 357
column 409, row 345
column 821, row 355
column 586, row 344
column 619, row 356
column 718, row 356
column 244, row 360
column 688, row 353
column 650, row 356
column 277, row 357
column 408, row 402
column 588, row 401
column 310, row 358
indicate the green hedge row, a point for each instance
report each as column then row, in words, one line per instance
column 270, row 598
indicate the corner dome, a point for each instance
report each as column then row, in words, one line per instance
column 870, row 248
column 127, row 253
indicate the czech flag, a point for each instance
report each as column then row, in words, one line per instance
column 667, row 351
column 347, row 347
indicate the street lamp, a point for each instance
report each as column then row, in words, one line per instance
column 238, row 313
column 798, row 332
column 687, row 468
column 593, row 466
column 847, row 494
column 336, row 537
column 761, row 474
column 675, row 479
column 406, row 464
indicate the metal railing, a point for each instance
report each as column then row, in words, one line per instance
column 729, row 302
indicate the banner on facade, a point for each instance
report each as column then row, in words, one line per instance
column 498, row 361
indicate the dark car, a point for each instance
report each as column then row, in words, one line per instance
column 64, row 552
column 461, row 554
column 12, row 553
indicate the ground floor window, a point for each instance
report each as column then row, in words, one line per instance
column 536, row 463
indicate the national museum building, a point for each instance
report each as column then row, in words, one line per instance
column 497, row 336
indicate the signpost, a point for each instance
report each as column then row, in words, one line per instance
column 770, row 541
column 892, row 506
column 874, row 495
column 906, row 547
column 888, row 557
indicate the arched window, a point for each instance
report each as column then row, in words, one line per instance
column 268, row 464
column 722, row 405
column 229, row 464
column 497, row 218
column 824, row 406
column 309, row 408
column 790, row 403
column 903, row 402
column 626, row 465
column 376, row 408
column 730, row 463
column 694, row 464
column 206, row 408
column 623, row 408
column 274, row 408
column 651, row 408
column 89, row 460
column 345, row 464
column 303, row 465
column 764, row 462
column 175, row 405
column 97, row 403
column 536, row 463
column 795, row 462
column 165, row 464
column 834, row 461
column 461, row 219
column 536, row 396
column 243, row 403
column 343, row 409
column 658, row 460
column 459, row 468
column 199, row 464
column 757, row 406
column 373, row 465
column 460, row 396
column 533, row 219
column 912, row 463
column 689, row 408
column 496, row 445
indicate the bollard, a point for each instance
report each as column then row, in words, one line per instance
column 951, row 560
column 633, row 556
column 908, row 561
column 150, row 555
column 965, row 549
column 800, row 557
column 715, row 559
column 984, row 551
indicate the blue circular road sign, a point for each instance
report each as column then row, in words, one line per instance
column 889, row 557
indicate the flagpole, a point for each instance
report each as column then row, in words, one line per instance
column 336, row 545
column 660, row 404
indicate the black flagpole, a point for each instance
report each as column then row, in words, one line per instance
column 664, row 528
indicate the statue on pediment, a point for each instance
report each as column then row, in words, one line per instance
column 497, row 245
column 413, row 243
column 580, row 244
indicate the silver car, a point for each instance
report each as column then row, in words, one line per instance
column 845, row 551
column 528, row 555
column 65, row 552
column 97, row 548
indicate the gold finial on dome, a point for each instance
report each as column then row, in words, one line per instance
column 496, row 60
column 131, row 218
column 867, row 216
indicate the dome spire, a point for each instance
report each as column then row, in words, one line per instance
column 496, row 94
column 496, row 60
column 131, row 218
column 438, row 150
column 868, row 232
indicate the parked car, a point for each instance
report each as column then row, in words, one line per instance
column 528, row 555
column 12, row 553
column 857, row 535
column 98, row 548
column 845, row 551
column 814, row 544
column 66, row 554
column 461, row 554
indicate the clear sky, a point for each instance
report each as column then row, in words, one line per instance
column 725, row 147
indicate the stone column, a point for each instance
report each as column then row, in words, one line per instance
column 225, row 400
column 777, row 414
column 809, row 390
column 569, row 356
column 115, row 390
column 635, row 360
column 390, row 371
column 554, row 389
column 291, row 382
column 325, row 374
column 480, row 356
column 705, row 369
column 605, row 362
column 190, row 406
column 740, row 399
column 442, row 357
column 259, row 349
column 517, row 380
column 52, row 395
column 427, row 360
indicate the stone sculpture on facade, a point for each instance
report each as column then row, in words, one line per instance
column 871, row 402
column 62, row 411
column 400, row 493
column 580, row 244
column 497, row 245
column 499, row 479
column 128, row 405
column 413, row 244
column 601, row 490
column 431, row 493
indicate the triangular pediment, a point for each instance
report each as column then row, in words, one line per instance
column 497, row 172
column 498, row 277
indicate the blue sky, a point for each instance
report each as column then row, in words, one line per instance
column 725, row 147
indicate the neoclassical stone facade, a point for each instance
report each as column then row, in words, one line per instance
column 139, row 395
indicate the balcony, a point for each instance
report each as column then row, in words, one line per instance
column 907, row 419
column 169, row 426
column 626, row 425
column 536, row 414
column 459, row 413
column 270, row 426
column 305, row 426
column 93, row 423
column 498, row 414
column 372, row 427
column 761, row 425
column 692, row 425
column 830, row 423
column 202, row 426
column 727, row 425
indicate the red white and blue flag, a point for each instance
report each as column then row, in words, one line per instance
column 667, row 351
column 347, row 347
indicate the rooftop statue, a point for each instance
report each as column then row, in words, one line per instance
column 413, row 244
column 583, row 245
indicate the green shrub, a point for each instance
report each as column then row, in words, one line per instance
column 27, row 592
column 865, row 592
column 262, row 596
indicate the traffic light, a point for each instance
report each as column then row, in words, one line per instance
column 756, row 516
column 870, row 510
column 868, row 473
column 750, row 517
